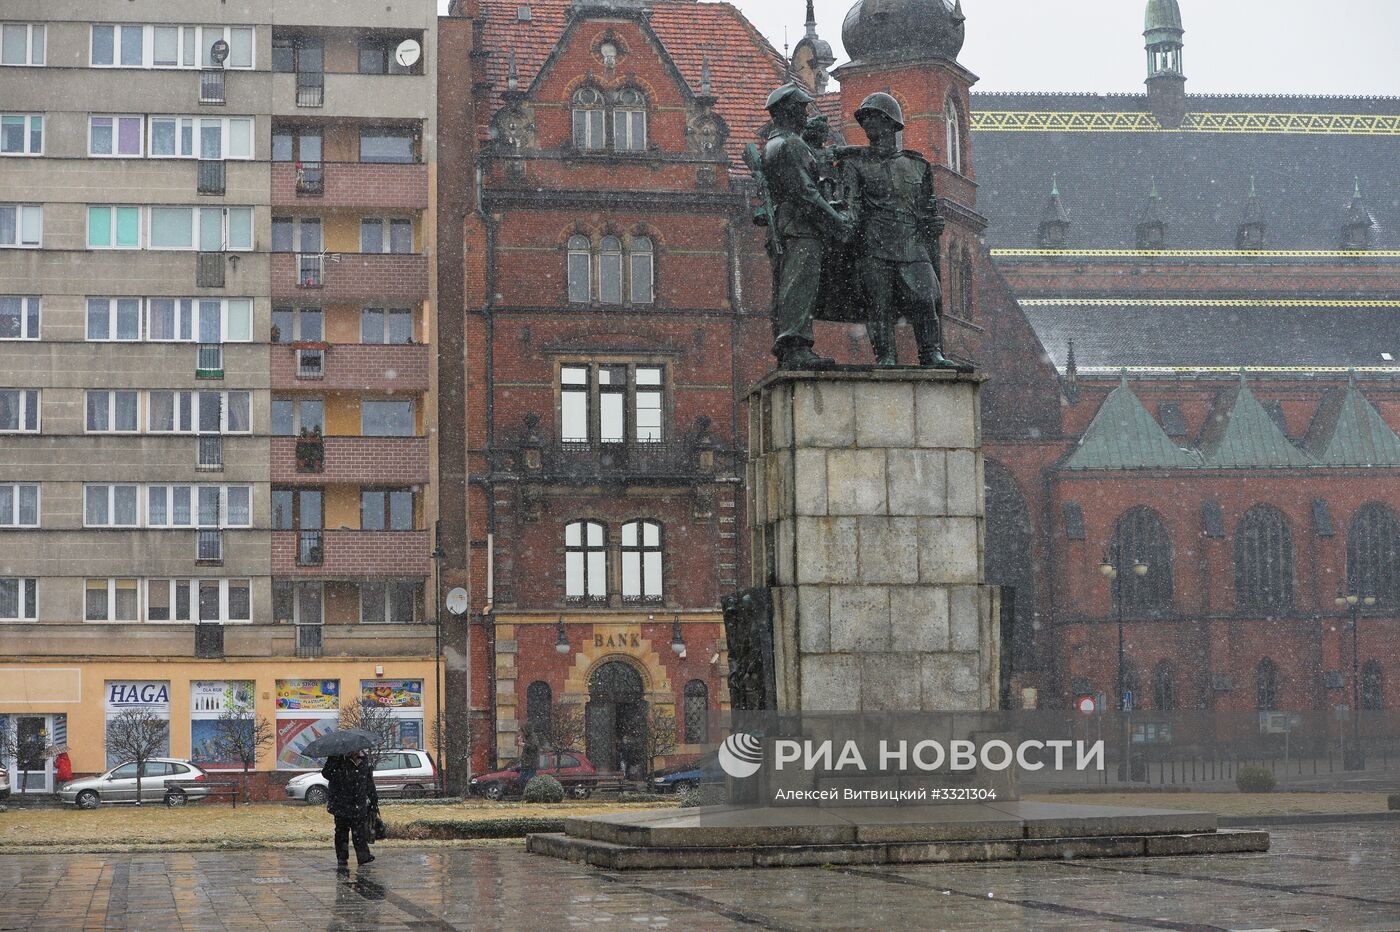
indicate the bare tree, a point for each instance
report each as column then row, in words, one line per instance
column 564, row 730
column 239, row 734
column 661, row 734
column 137, row 735
column 378, row 720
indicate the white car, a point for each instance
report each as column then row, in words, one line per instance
column 163, row 779
column 4, row 784
column 401, row 772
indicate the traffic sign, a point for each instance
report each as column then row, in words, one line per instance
column 1086, row 704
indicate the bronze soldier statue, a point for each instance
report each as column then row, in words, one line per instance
column 897, row 231
column 803, row 224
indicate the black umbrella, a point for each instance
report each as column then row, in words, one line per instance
column 340, row 741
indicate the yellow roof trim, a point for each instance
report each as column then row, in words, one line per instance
column 1088, row 121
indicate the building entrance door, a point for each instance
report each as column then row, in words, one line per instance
column 33, row 770
column 616, row 719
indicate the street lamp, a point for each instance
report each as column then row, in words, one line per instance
column 438, row 555
column 561, row 637
column 1354, row 759
column 1112, row 569
column 677, row 639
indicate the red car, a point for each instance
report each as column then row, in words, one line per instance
column 570, row 768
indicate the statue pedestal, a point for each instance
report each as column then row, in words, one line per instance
column 867, row 514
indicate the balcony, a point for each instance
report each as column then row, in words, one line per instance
column 353, row 367
column 311, row 89
column 209, row 270
column 212, row 177
column 209, row 547
column 350, row 184
column 346, row 554
column 351, row 95
column 309, row 640
column 594, row 462
column 387, row 460
column 209, row 457
column 351, row 276
column 209, row 641
column 209, row 361
column 212, row 87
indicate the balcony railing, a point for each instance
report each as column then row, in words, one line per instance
column 311, row 89
column 209, row 641
column 311, row 548
column 311, row 363
column 209, row 270
column 311, row 179
column 209, row 547
column 311, row 453
column 210, row 457
column 311, row 269
column 661, row 460
column 212, row 176
column 211, row 87
column 308, row 640
column 209, row 361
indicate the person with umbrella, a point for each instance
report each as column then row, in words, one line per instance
column 351, row 794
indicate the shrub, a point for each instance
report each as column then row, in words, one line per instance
column 708, row 794
column 1255, row 778
column 544, row 789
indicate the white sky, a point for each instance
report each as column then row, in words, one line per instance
column 1232, row 46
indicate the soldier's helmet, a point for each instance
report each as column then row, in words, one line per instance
column 788, row 93
column 880, row 102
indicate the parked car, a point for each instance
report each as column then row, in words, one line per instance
column 164, row 779
column 570, row 768
column 4, row 784
column 400, row 772
column 681, row 779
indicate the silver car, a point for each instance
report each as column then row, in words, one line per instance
column 163, row 779
column 4, row 784
column 404, row 772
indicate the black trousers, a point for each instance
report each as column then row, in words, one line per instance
column 344, row 828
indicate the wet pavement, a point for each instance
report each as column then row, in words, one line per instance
column 1341, row 876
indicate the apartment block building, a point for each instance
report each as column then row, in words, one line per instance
column 216, row 416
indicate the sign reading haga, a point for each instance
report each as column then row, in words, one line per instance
column 128, row 694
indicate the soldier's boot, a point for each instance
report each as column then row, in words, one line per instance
column 882, row 340
column 929, row 335
column 799, row 356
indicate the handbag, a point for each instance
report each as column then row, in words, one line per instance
column 381, row 831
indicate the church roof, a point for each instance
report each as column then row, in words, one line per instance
column 744, row 66
column 1241, row 433
column 1348, row 431
column 1123, row 435
column 1305, row 153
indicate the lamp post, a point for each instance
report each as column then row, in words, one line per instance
column 1112, row 569
column 561, row 637
column 1354, row 758
column 438, row 555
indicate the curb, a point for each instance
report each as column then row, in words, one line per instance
column 1307, row 819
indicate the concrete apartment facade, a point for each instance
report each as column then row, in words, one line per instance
column 216, row 413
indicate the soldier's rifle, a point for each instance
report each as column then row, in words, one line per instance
column 755, row 163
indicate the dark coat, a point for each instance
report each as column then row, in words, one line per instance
column 350, row 790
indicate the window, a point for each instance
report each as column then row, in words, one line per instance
column 21, row 134
column 138, row 46
column 22, row 43
column 629, row 402
column 296, row 234
column 117, row 46
column 697, row 712
column 112, row 600
column 19, row 410
column 377, row 57
column 967, row 290
column 610, row 270
column 113, row 319
column 170, row 320
column 170, row 506
column 1173, row 421
column 1164, row 687
column 19, row 505
column 614, row 273
column 589, row 119
column 208, row 229
column 19, row 599
column 386, row 510
column 114, row 228
column 1140, row 536
column 116, row 136
column 539, row 708
column 220, row 601
column 21, row 226
column 630, row 122
column 299, row 54
column 580, row 270
column 1266, row 686
column 387, row 419
column 641, row 561
column 207, row 506
column 296, row 145
column 305, row 325
column 19, row 318
column 373, row 232
column 294, row 417
column 1263, row 562
column 1372, row 684
column 111, row 506
column 641, row 270
column 953, row 124
column 585, row 562
column 297, row 509
column 388, row 602
column 386, row 325
column 113, row 412
column 1373, row 554
column 208, row 138
column 388, row 145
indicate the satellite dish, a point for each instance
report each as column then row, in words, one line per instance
column 408, row 53
column 458, row 601
column 218, row 52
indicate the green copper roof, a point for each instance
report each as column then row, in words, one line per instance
column 1351, row 432
column 1124, row 435
column 1241, row 434
column 1163, row 14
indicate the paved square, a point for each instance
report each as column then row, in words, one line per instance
column 1316, row 877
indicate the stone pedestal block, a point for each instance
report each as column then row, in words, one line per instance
column 867, row 515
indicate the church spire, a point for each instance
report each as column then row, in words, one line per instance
column 1166, row 77
column 1054, row 220
column 1251, row 232
column 813, row 57
column 1356, row 231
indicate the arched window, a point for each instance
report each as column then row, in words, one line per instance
column 610, row 270
column 1266, row 686
column 953, row 122
column 641, row 561
column 641, row 269
column 1373, row 554
column 697, row 712
column 1264, row 561
column 589, row 119
column 630, row 121
column 966, row 290
column 580, row 270
column 585, row 562
column 1372, row 686
column 1164, row 686
column 539, row 702
column 1140, row 536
